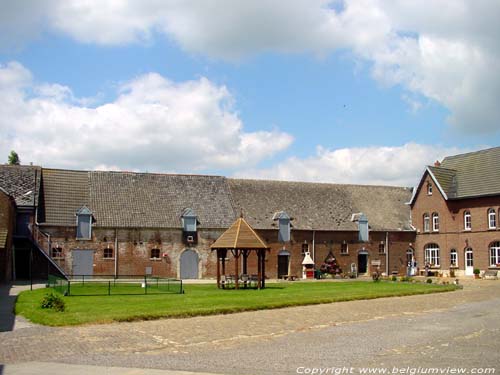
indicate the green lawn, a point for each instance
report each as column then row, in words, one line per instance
column 206, row 299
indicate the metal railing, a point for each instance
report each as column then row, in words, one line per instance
column 91, row 285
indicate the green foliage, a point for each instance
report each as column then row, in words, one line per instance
column 14, row 158
column 429, row 281
column 53, row 301
column 405, row 279
column 477, row 271
column 394, row 278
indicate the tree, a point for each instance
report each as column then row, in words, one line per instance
column 14, row 158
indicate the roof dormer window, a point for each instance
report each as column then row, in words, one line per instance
column 283, row 226
column 363, row 228
column 189, row 226
column 84, row 224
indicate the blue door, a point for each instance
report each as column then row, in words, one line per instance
column 83, row 262
column 189, row 264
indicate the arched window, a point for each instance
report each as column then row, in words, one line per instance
column 409, row 255
column 427, row 221
column 495, row 254
column 429, row 188
column 435, row 222
column 492, row 218
column 432, row 254
column 467, row 220
column 453, row 258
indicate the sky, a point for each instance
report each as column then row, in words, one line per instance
column 362, row 92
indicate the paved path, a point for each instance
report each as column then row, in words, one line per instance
column 417, row 329
column 8, row 295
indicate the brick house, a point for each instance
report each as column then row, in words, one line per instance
column 107, row 223
column 7, row 218
column 455, row 210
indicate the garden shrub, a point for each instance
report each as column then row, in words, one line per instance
column 53, row 301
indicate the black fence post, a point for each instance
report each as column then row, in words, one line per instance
column 69, row 288
column 145, row 285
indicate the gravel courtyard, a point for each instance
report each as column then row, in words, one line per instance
column 456, row 329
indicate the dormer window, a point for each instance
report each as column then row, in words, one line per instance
column 189, row 226
column 363, row 228
column 283, row 226
column 429, row 188
column 84, row 224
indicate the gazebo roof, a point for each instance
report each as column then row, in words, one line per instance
column 240, row 235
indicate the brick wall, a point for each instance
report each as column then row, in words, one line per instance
column 452, row 233
column 7, row 221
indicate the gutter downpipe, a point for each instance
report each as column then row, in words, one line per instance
column 314, row 248
column 387, row 253
column 116, row 253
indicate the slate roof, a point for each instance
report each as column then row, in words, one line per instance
column 240, row 235
column 476, row 173
column 321, row 206
column 19, row 182
column 135, row 200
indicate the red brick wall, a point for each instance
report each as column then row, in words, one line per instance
column 134, row 247
column 7, row 220
column 452, row 234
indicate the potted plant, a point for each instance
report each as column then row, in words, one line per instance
column 476, row 273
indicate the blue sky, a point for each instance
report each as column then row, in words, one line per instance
column 347, row 92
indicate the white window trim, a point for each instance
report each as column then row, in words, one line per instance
column 494, row 253
column 432, row 255
column 427, row 223
column 90, row 227
column 453, row 254
column 435, row 222
column 492, row 213
column 467, row 223
column 429, row 188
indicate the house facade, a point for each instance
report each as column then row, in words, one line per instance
column 122, row 223
column 455, row 210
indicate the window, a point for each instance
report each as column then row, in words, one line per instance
column 429, row 188
column 344, row 249
column 432, row 254
column 283, row 226
column 155, row 253
column 435, row 222
column 108, row 253
column 467, row 220
column 427, row 222
column 305, row 248
column 453, row 258
column 495, row 253
column 363, row 228
column 381, row 247
column 57, row 252
column 189, row 220
column 492, row 219
column 84, row 224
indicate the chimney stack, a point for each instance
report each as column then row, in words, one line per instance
column 437, row 163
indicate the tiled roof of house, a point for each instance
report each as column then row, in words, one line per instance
column 321, row 206
column 477, row 174
column 3, row 237
column 64, row 192
column 142, row 200
column 19, row 182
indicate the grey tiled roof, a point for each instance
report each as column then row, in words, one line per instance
column 19, row 182
column 64, row 192
column 321, row 206
column 122, row 199
column 477, row 173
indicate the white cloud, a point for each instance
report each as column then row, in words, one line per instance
column 446, row 50
column 396, row 166
column 154, row 124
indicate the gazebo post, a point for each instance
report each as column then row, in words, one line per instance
column 245, row 260
column 236, row 261
column 218, row 268
column 259, row 269
column 263, row 268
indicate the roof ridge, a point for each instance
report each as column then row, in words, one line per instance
column 472, row 152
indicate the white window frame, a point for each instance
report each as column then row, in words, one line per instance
column 435, row 222
column 467, row 220
column 84, row 235
column 427, row 222
column 107, row 249
column 453, row 258
column 429, row 188
column 492, row 219
column 342, row 246
column 431, row 254
column 494, row 253
column 151, row 253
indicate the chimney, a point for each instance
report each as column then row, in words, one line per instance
column 437, row 163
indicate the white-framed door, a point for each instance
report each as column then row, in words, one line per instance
column 469, row 262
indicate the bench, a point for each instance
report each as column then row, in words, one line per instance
column 491, row 274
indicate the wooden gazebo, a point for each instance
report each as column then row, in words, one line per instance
column 241, row 240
